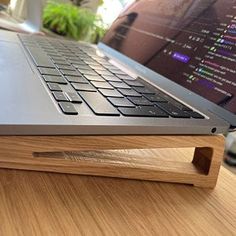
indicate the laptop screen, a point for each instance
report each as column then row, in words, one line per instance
column 191, row 42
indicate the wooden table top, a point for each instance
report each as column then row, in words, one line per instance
column 37, row 203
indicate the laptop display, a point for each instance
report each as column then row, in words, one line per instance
column 191, row 42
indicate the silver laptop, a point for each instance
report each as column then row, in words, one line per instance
column 164, row 67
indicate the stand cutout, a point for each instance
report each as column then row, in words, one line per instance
column 94, row 155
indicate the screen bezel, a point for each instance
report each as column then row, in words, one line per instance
column 168, row 85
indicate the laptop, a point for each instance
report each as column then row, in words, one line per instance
column 163, row 67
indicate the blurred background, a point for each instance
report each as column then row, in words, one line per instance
column 85, row 20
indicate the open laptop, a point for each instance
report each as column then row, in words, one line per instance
column 164, row 67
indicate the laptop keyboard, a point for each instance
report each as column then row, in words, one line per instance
column 107, row 90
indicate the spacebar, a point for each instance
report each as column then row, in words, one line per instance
column 99, row 104
column 40, row 58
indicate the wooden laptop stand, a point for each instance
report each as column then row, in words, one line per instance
column 48, row 153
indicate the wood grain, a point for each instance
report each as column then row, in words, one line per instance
column 23, row 152
column 37, row 203
column 48, row 153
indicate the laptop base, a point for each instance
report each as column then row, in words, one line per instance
column 95, row 155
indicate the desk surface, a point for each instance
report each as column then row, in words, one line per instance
column 34, row 203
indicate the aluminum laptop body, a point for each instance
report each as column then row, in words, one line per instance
column 159, row 43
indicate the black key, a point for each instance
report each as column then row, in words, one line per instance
column 125, row 77
column 68, row 108
column 77, row 79
column 109, row 67
column 78, row 62
column 154, row 98
column 134, row 83
column 195, row 115
column 180, row 105
column 54, row 87
column 39, row 57
column 94, row 78
column 55, row 79
column 119, row 85
column 82, row 67
column 104, row 72
column 143, row 90
column 101, row 85
column 72, row 58
column 65, row 67
column 121, row 102
column 165, row 96
column 87, row 72
column 97, row 67
column 140, row 101
column 61, row 62
column 99, row 104
column 129, row 92
column 111, row 78
column 60, row 96
column 110, row 93
column 91, row 62
column 117, row 71
column 72, row 73
column 48, row 71
column 143, row 112
column 172, row 110
column 83, row 87
column 74, row 97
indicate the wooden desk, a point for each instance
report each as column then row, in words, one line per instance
column 34, row 203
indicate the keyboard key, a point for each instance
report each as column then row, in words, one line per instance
column 48, row 71
column 109, row 67
column 39, row 57
column 90, row 62
column 121, row 102
column 111, row 78
column 172, row 110
column 195, row 115
column 140, row 101
column 83, row 87
column 77, row 63
column 87, row 72
column 54, row 79
column 97, row 67
column 154, row 98
column 82, row 67
column 117, row 71
column 60, row 96
column 101, row 85
column 143, row 112
column 99, row 104
column 125, row 77
column 129, row 92
column 77, row 79
column 61, row 62
column 54, row 87
column 119, row 85
column 65, row 67
column 134, row 83
column 143, row 90
column 104, row 72
column 94, row 78
column 68, row 108
column 74, row 97
column 180, row 105
column 71, row 73
column 110, row 93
